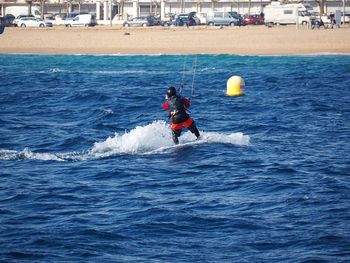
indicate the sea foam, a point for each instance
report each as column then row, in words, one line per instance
column 148, row 139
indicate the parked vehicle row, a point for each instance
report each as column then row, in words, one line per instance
column 275, row 14
column 72, row 20
column 191, row 19
column 25, row 21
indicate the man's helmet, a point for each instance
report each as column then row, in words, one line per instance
column 171, row 92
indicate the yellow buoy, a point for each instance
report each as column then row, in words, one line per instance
column 234, row 86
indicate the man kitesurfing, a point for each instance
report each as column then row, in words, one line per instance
column 176, row 105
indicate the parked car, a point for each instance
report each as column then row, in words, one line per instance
column 239, row 17
column 33, row 22
column 258, row 19
column 156, row 20
column 8, row 19
column 253, row 19
column 49, row 17
column 165, row 22
column 202, row 18
column 168, row 18
column 15, row 22
column 347, row 17
column 189, row 19
column 221, row 19
column 196, row 19
column 143, row 21
column 2, row 25
column 58, row 18
column 81, row 20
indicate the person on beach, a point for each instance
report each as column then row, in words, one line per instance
column 321, row 23
column 176, row 105
column 333, row 23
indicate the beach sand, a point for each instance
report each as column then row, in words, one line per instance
column 249, row 40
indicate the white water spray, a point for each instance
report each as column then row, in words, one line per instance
column 152, row 138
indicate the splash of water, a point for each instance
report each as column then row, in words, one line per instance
column 142, row 139
column 152, row 138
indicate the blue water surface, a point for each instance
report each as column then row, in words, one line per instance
column 88, row 171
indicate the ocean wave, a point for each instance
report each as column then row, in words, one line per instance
column 99, row 72
column 27, row 154
column 318, row 54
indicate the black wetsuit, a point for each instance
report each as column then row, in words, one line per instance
column 177, row 109
column 176, row 106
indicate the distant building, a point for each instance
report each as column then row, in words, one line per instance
column 123, row 9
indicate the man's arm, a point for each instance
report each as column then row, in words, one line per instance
column 186, row 102
column 165, row 105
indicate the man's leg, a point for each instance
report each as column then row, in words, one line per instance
column 193, row 129
column 191, row 125
column 176, row 134
column 176, row 131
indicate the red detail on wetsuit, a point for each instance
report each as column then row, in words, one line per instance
column 186, row 102
column 178, row 126
column 165, row 105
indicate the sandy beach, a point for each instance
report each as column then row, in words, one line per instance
column 252, row 40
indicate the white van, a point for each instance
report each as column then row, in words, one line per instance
column 277, row 13
column 22, row 10
column 81, row 20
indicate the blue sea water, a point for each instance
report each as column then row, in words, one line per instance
column 88, row 170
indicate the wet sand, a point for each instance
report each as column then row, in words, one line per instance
column 249, row 40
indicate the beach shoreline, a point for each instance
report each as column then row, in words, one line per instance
column 105, row 40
